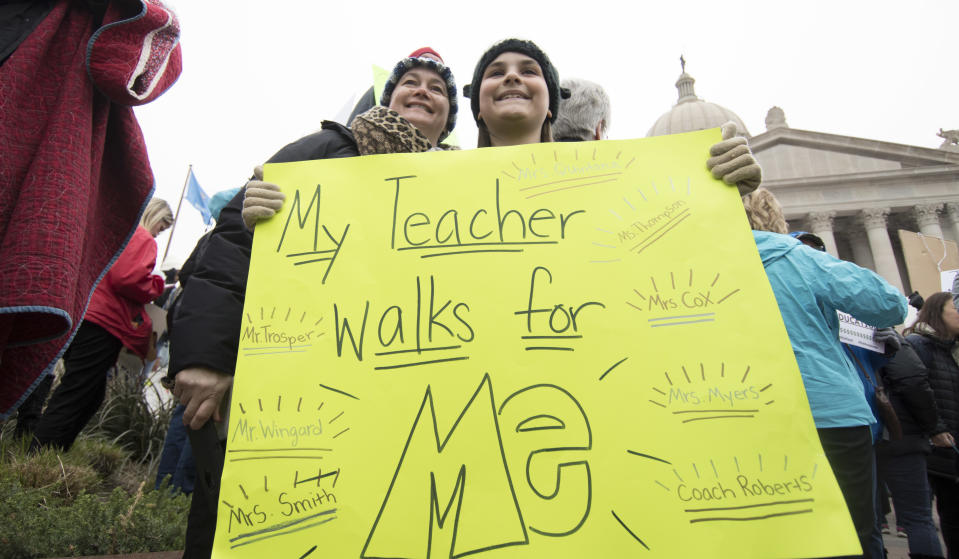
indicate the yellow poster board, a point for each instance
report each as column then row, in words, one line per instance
column 553, row 350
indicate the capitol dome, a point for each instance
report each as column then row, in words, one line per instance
column 692, row 113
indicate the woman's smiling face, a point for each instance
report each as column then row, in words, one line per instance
column 420, row 97
column 513, row 90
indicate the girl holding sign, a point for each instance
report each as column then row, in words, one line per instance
column 515, row 97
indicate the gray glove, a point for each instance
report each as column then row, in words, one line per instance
column 890, row 337
column 261, row 200
column 732, row 161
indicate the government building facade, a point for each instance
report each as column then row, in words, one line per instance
column 853, row 193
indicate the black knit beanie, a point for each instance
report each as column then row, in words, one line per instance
column 530, row 49
column 407, row 64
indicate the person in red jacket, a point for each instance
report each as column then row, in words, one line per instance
column 115, row 318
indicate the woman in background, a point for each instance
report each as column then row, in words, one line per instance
column 901, row 463
column 810, row 286
column 935, row 337
column 114, row 318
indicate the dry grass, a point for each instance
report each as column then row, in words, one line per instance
column 96, row 498
column 126, row 419
column 47, row 472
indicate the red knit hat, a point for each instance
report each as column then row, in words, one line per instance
column 426, row 50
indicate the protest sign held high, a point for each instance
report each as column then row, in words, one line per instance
column 549, row 350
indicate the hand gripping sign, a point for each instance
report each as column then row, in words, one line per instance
column 553, row 350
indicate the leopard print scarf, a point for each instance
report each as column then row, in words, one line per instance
column 381, row 130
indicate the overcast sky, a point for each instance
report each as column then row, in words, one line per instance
column 258, row 75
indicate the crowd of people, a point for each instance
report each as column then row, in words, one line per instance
column 878, row 415
column 885, row 421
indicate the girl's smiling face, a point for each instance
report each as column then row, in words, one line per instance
column 513, row 92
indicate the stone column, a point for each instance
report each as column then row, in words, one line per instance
column 927, row 216
column 820, row 224
column 860, row 247
column 874, row 220
column 952, row 211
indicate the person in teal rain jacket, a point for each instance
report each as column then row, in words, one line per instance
column 810, row 286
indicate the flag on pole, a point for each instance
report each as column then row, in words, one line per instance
column 197, row 197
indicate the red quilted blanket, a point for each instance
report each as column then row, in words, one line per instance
column 74, row 173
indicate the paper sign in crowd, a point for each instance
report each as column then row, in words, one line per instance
column 553, row 350
column 856, row 332
column 947, row 279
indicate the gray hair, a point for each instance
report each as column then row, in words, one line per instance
column 587, row 107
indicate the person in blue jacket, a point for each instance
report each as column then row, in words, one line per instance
column 810, row 286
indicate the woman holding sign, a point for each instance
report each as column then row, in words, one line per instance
column 417, row 111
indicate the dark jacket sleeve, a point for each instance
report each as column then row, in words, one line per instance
column 942, row 373
column 907, row 379
column 18, row 18
column 332, row 142
column 205, row 330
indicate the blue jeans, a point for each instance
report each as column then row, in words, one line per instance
column 905, row 476
column 176, row 460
